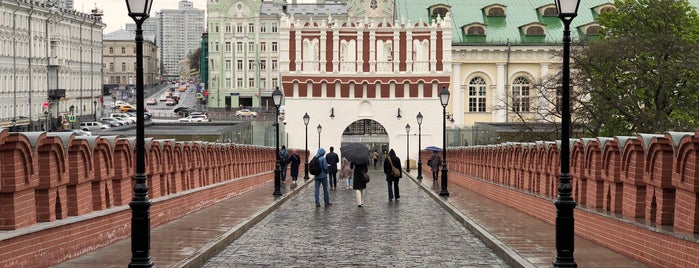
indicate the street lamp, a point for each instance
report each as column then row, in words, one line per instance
column 419, row 145
column 407, row 147
column 444, row 99
column 320, row 128
column 565, row 229
column 306, row 119
column 94, row 109
column 277, row 97
column 139, row 11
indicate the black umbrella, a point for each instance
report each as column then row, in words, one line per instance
column 433, row 148
column 356, row 153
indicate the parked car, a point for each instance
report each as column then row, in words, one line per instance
column 90, row 126
column 146, row 115
column 245, row 113
column 124, row 116
column 151, row 101
column 77, row 132
column 184, row 111
column 195, row 118
column 111, row 121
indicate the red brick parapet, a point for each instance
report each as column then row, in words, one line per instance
column 48, row 179
column 629, row 189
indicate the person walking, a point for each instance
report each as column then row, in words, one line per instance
column 332, row 159
column 295, row 161
column 375, row 157
column 322, row 179
column 435, row 162
column 391, row 162
column 283, row 161
column 346, row 173
column 358, row 183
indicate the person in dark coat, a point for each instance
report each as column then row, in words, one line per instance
column 388, row 164
column 283, row 161
column 332, row 159
column 295, row 161
column 435, row 162
column 358, row 183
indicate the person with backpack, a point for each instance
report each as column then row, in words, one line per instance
column 332, row 159
column 283, row 161
column 319, row 163
column 390, row 165
column 295, row 161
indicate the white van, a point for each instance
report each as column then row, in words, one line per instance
column 124, row 116
column 90, row 126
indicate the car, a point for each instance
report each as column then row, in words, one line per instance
column 111, row 121
column 245, row 113
column 146, row 115
column 77, row 132
column 89, row 126
column 170, row 102
column 151, row 101
column 163, row 97
column 195, row 118
column 126, row 107
column 125, row 117
column 119, row 103
column 184, row 111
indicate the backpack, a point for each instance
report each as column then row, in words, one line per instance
column 314, row 166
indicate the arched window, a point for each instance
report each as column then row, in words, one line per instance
column 535, row 30
column 607, row 9
column 592, row 30
column 496, row 11
column 550, row 11
column 520, row 94
column 440, row 11
column 476, row 95
column 475, row 30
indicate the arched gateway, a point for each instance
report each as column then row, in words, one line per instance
column 351, row 77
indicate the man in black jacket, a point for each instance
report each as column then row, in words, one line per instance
column 332, row 159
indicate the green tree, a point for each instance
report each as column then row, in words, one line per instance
column 194, row 59
column 640, row 76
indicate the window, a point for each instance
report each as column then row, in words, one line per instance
column 216, row 47
column 476, row 95
column 496, row 11
column 251, row 82
column 263, row 65
column 275, row 83
column 520, row 95
column 228, row 46
column 263, row 46
column 239, row 64
column 228, row 28
column 274, row 64
column 123, row 66
column 239, row 28
column 550, row 12
column 251, row 46
column 123, row 50
column 535, row 30
column 475, row 30
column 263, row 28
column 111, row 50
column 274, row 27
column 216, row 28
column 263, row 83
column 228, row 83
column 111, row 66
column 239, row 47
column 251, row 27
column 274, row 46
column 251, row 65
column 239, row 82
column 228, row 65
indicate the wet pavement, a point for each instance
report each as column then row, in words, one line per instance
column 421, row 229
column 414, row 231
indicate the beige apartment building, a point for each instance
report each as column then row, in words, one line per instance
column 119, row 62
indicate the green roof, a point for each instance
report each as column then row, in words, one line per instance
column 503, row 29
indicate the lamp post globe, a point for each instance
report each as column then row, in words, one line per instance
column 277, row 98
column 320, row 128
column 565, row 229
column 444, row 99
column 407, row 147
column 139, row 11
column 419, row 145
column 306, row 120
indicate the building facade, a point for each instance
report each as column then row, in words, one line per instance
column 50, row 61
column 180, row 34
column 119, row 63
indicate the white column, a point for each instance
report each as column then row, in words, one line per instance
column 299, row 48
column 360, row 51
column 336, row 49
column 408, row 52
column 458, row 90
column 323, row 48
column 499, row 98
column 372, row 50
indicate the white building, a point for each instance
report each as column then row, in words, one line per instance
column 51, row 56
column 180, row 34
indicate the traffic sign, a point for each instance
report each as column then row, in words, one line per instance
column 46, row 104
column 71, row 118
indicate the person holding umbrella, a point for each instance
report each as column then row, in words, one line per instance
column 435, row 162
column 391, row 162
column 358, row 155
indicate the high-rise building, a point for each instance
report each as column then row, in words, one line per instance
column 180, row 34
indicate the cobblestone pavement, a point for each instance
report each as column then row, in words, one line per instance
column 414, row 231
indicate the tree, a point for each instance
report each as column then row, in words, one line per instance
column 194, row 59
column 640, row 76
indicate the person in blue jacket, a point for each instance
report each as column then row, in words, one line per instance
column 322, row 178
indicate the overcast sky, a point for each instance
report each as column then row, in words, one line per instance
column 116, row 16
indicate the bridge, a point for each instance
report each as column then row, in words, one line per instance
column 65, row 197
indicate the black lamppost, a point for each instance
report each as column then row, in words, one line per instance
column 565, row 229
column 444, row 99
column 139, row 11
column 320, row 128
column 277, row 97
column 306, row 119
column 407, row 147
column 419, row 145
column 94, row 109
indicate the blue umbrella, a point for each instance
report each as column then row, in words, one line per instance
column 433, row 148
